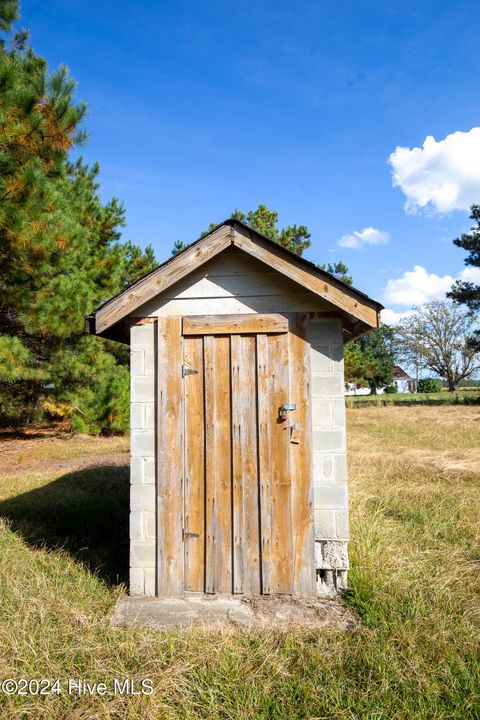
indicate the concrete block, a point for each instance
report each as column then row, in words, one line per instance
column 142, row 336
column 341, row 524
column 137, row 530
column 322, row 467
column 142, row 498
column 149, row 411
column 137, row 581
column 137, row 362
column 329, row 385
column 142, row 389
column 327, row 331
column 136, row 470
column 340, row 468
column 149, row 362
column 331, row 583
column 322, row 413
column 330, row 495
column 142, row 554
column 150, row 525
column 325, row 524
column 338, row 411
column 327, row 439
column 331, row 554
column 320, row 359
column 150, row 581
column 149, row 470
column 341, row 580
column 137, row 416
column 142, row 442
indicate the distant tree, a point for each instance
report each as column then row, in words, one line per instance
column 464, row 292
column 440, row 334
column 339, row 270
column 379, row 349
column 294, row 237
column 358, row 366
column 178, row 247
column 369, row 360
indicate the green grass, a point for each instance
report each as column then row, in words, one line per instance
column 414, row 582
column 464, row 396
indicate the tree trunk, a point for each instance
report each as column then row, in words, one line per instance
column 373, row 390
column 452, row 386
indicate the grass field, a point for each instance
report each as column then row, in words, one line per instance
column 464, row 396
column 414, row 581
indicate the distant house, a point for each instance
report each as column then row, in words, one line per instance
column 403, row 381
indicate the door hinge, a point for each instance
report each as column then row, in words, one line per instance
column 186, row 535
column 187, row 371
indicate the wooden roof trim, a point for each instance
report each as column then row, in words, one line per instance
column 232, row 232
column 162, row 278
column 325, row 286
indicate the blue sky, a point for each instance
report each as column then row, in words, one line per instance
column 197, row 108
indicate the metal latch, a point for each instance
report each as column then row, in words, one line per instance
column 187, row 371
column 186, row 535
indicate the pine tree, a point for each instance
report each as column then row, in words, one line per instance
column 369, row 360
column 464, row 292
column 339, row 270
column 60, row 250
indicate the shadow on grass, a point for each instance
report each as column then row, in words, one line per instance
column 85, row 513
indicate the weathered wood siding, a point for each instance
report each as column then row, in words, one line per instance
column 229, row 284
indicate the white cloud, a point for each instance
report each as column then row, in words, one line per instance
column 470, row 274
column 418, row 286
column 390, row 317
column 367, row 236
column 441, row 175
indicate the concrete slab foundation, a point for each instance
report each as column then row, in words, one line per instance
column 231, row 612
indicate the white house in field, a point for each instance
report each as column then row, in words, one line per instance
column 403, row 381
column 238, row 447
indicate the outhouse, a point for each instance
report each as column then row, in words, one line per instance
column 238, row 467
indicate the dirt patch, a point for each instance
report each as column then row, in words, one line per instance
column 51, row 449
column 282, row 610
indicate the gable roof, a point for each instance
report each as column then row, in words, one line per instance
column 400, row 374
column 361, row 312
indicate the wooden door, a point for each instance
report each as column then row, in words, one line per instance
column 247, row 520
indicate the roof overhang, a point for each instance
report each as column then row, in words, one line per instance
column 360, row 313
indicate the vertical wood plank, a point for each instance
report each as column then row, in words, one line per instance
column 264, row 455
column 194, row 518
column 282, row 551
column 170, row 561
column 218, row 465
column 246, row 540
column 303, row 532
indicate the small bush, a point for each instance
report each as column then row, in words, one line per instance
column 429, row 385
column 391, row 389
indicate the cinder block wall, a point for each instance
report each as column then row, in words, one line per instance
column 329, row 455
column 142, row 461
